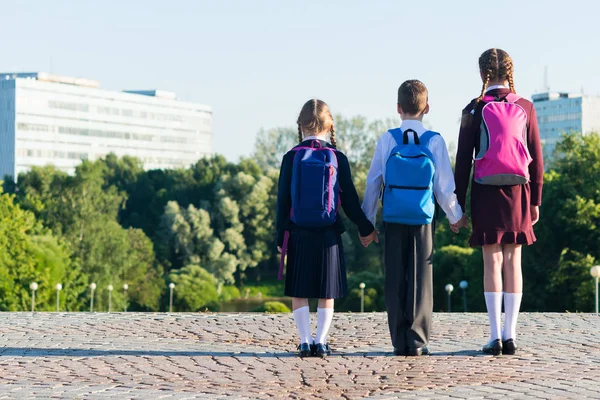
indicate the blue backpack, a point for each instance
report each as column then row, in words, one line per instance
column 408, row 192
column 315, row 187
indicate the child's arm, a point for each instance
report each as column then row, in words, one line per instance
column 350, row 200
column 536, row 168
column 464, row 156
column 443, row 181
column 284, row 196
column 374, row 183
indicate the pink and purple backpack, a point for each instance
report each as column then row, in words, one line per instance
column 503, row 158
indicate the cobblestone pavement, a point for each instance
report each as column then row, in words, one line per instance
column 247, row 356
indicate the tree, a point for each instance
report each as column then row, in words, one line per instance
column 30, row 253
column 187, row 238
column 84, row 211
column 195, row 289
column 271, row 145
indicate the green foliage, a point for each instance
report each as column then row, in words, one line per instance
column 211, row 226
column 270, row 288
column 228, row 293
column 272, row 307
column 453, row 264
column 374, row 292
column 30, row 253
column 195, row 289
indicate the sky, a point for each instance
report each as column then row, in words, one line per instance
column 257, row 62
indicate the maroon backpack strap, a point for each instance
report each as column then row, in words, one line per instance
column 284, row 246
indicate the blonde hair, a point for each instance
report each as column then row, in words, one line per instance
column 316, row 117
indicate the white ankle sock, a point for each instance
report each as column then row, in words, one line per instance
column 302, row 319
column 493, row 303
column 324, row 317
column 512, row 304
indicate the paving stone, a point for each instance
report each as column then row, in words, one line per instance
column 213, row 356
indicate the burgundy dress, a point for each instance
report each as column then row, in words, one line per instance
column 499, row 214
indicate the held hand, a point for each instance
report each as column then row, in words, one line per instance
column 462, row 223
column 535, row 214
column 279, row 249
column 366, row 240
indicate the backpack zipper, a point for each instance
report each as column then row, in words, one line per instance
column 409, row 187
column 331, row 172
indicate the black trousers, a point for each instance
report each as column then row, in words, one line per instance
column 409, row 283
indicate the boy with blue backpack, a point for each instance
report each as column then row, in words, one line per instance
column 410, row 171
column 314, row 183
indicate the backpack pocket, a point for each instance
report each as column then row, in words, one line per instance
column 314, row 190
column 410, row 205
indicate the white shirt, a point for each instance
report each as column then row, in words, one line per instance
column 443, row 178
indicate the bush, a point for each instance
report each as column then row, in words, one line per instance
column 265, row 288
column 374, row 295
column 272, row 307
column 229, row 293
column 195, row 289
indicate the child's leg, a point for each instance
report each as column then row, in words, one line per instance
column 302, row 318
column 513, row 287
column 324, row 317
column 419, row 293
column 396, row 255
column 492, row 284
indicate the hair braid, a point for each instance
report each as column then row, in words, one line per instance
column 483, row 87
column 332, row 137
column 509, row 70
column 299, row 133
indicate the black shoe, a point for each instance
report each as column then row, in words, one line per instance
column 419, row 351
column 509, row 347
column 493, row 347
column 304, row 349
column 322, row 350
column 313, row 349
column 398, row 352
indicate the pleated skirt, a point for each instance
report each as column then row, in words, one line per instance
column 315, row 266
column 501, row 215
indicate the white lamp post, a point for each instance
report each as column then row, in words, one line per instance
column 110, row 289
column 449, row 288
column 464, row 285
column 362, row 296
column 595, row 271
column 92, row 287
column 125, row 287
column 33, row 286
column 171, row 287
column 58, row 289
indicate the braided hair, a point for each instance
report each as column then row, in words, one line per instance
column 495, row 64
column 316, row 117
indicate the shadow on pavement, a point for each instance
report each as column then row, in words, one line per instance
column 46, row 352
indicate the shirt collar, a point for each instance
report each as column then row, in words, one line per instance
column 315, row 138
column 495, row 87
column 415, row 125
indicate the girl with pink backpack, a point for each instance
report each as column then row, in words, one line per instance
column 499, row 135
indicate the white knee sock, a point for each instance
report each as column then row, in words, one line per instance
column 302, row 319
column 512, row 303
column 324, row 317
column 493, row 303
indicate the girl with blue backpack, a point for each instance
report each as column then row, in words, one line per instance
column 314, row 182
column 499, row 135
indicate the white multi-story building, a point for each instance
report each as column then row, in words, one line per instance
column 559, row 113
column 49, row 119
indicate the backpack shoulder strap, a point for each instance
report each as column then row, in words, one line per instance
column 427, row 136
column 512, row 97
column 397, row 135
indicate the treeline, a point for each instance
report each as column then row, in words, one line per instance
column 210, row 230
